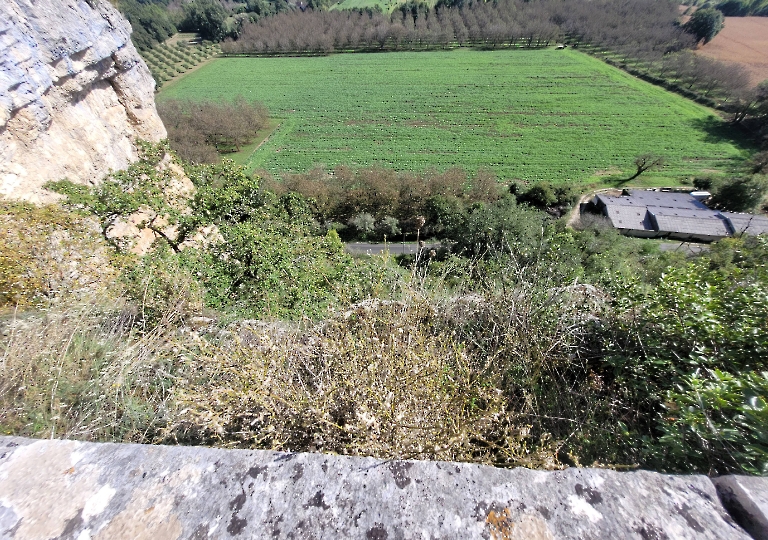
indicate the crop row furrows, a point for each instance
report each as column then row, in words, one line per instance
column 555, row 115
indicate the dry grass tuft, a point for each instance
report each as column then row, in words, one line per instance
column 83, row 372
column 379, row 380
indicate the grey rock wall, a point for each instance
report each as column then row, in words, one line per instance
column 65, row 489
column 74, row 94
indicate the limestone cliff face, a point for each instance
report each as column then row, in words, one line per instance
column 74, row 94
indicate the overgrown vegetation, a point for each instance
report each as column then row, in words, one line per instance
column 251, row 251
column 541, row 346
column 374, row 203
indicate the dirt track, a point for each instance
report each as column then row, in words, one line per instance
column 743, row 40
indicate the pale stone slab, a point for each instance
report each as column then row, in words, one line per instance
column 66, row 489
column 746, row 498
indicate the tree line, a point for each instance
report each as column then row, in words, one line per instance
column 735, row 8
column 154, row 21
column 374, row 203
column 648, row 27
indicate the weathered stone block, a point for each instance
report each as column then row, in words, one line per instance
column 69, row 489
column 746, row 498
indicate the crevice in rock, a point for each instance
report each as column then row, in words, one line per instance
column 741, row 507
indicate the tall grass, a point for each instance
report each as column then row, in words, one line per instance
column 83, row 371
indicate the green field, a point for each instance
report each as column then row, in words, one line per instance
column 386, row 6
column 531, row 115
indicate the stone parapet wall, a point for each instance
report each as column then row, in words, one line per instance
column 67, row 489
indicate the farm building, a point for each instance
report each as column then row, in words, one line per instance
column 679, row 216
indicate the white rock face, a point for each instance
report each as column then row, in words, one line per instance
column 74, row 95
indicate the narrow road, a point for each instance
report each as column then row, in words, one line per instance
column 395, row 248
column 685, row 247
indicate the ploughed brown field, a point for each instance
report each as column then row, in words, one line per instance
column 743, row 40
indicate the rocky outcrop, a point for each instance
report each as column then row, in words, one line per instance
column 67, row 489
column 74, row 94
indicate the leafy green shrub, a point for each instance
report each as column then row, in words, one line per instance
column 269, row 261
column 715, row 421
column 388, row 227
column 696, row 320
column 144, row 185
column 364, row 225
column 543, row 195
column 499, row 227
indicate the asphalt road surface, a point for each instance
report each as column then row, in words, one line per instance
column 399, row 248
column 685, row 247
column 395, row 248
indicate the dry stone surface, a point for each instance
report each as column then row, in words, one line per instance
column 74, row 94
column 67, row 489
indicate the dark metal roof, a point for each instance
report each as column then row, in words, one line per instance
column 676, row 213
column 640, row 198
column 746, row 223
column 693, row 223
column 627, row 217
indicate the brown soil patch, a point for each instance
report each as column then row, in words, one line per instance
column 743, row 40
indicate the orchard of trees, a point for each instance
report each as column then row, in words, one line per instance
column 200, row 131
column 646, row 28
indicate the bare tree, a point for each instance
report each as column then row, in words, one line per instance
column 646, row 162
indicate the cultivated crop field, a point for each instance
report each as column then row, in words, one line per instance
column 532, row 115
